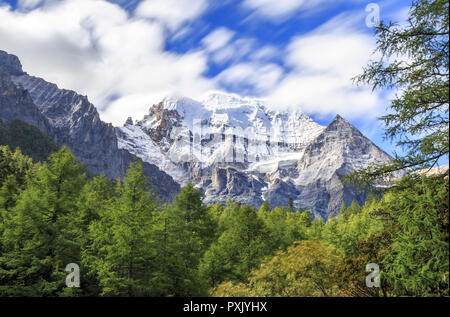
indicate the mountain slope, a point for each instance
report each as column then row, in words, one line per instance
column 237, row 148
column 69, row 119
column 31, row 141
column 339, row 150
column 15, row 102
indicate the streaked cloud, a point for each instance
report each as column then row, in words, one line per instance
column 29, row 4
column 280, row 10
column 323, row 63
column 217, row 39
column 171, row 13
column 252, row 78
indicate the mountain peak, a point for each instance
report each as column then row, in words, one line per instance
column 129, row 121
column 338, row 118
column 339, row 122
column 11, row 63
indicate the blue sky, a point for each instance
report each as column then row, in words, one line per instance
column 128, row 54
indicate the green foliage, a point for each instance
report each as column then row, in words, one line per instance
column 419, row 262
column 94, row 204
column 241, row 246
column 33, row 143
column 350, row 277
column 414, row 61
column 406, row 232
column 13, row 169
column 303, row 270
column 188, row 231
column 127, row 244
column 40, row 234
column 121, row 250
column 285, row 227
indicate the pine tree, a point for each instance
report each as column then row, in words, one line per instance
column 240, row 247
column 13, row 169
column 94, row 203
column 418, row 264
column 190, row 230
column 121, row 253
column 265, row 207
column 414, row 60
column 291, row 205
column 40, row 235
column 306, row 218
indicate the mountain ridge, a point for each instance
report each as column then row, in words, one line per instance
column 229, row 147
column 70, row 119
column 285, row 156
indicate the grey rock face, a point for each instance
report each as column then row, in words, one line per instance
column 70, row 119
column 129, row 121
column 297, row 159
column 16, row 103
column 230, row 183
column 280, row 192
column 10, row 63
column 75, row 123
column 339, row 150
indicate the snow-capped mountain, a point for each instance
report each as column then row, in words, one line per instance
column 222, row 129
column 237, row 148
column 230, row 147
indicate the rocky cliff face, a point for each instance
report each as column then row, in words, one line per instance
column 15, row 102
column 338, row 151
column 236, row 148
column 229, row 147
column 69, row 119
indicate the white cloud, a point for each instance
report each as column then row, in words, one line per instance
column 234, row 51
column 274, row 9
column 222, row 48
column 322, row 94
column 217, row 39
column 265, row 53
column 119, row 61
column 340, row 52
column 323, row 63
column 28, row 4
column 252, row 76
column 171, row 13
column 280, row 10
column 96, row 49
column 181, row 33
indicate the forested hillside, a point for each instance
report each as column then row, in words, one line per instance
column 28, row 138
column 128, row 245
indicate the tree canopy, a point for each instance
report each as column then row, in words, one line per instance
column 414, row 63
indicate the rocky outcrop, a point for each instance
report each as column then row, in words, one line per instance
column 235, row 148
column 76, row 123
column 15, row 102
column 10, row 64
column 231, row 183
column 70, row 119
column 338, row 151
